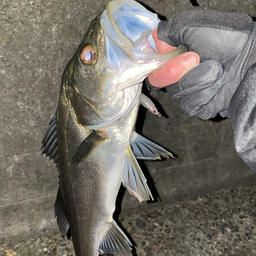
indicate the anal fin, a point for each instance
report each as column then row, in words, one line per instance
column 115, row 241
column 133, row 178
column 145, row 149
column 60, row 215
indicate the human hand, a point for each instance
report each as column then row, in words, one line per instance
column 225, row 43
column 175, row 68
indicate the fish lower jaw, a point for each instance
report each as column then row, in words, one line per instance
column 138, row 72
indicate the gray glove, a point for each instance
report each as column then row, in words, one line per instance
column 224, row 42
column 225, row 80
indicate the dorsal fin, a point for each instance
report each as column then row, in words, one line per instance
column 50, row 141
column 60, row 215
column 147, row 150
column 133, row 178
column 115, row 241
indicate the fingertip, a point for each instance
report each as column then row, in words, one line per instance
column 190, row 60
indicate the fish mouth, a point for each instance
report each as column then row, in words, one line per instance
column 129, row 24
column 130, row 47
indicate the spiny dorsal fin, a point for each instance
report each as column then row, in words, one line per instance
column 115, row 241
column 50, row 141
column 87, row 146
column 133, row 178
column 147, row 150
column 60, row 215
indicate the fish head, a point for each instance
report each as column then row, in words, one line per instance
column 104, row 76
column 84, row 78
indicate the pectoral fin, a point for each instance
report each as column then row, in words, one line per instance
column 115, row 241
column 147, row 150
column 87, row 145
column 133, row 178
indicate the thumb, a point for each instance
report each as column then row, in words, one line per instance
column 174, row 69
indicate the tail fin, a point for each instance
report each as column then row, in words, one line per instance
column 115, row 241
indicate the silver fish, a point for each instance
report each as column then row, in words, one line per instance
column 91, row 137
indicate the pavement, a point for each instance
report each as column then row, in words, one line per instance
column 219, row 223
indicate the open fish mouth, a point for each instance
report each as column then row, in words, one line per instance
column 129, row 26
column 130, row 46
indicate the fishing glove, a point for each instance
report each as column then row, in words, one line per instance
column 225, row 80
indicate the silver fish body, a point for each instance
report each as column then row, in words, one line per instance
column 88, row 190
column 92, row 139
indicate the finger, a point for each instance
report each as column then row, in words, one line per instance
column 161, row 46
column 174, row 69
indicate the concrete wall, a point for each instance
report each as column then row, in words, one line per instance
column 37, row 38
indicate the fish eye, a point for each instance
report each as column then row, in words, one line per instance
column 88, row 55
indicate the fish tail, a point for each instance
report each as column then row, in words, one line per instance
column 115, row 241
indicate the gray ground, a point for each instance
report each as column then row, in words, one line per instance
column 37, row 39
column 221, row 223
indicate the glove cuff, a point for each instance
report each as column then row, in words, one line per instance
column 252, row 54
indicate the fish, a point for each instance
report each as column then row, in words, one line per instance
column 92, row 138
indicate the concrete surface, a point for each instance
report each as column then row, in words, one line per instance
column 37, row 38
column 217, row 224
